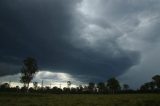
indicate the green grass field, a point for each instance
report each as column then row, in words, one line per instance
column 79, row 100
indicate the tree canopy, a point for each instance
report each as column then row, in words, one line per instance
column 113, row 85
column 28, row 71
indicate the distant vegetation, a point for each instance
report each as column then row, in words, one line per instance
column 112, row 86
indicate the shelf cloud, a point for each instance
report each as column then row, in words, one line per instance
column 90, row 40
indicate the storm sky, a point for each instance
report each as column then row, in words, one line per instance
column 86, row 40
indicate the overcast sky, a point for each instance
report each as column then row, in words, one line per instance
column 82, row 40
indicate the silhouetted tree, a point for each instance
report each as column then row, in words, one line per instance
column 47, row 88
column 35, row 84
column 145, row 87
column 73, row 90
column 91, row 86
column 156, row 80
column 56, row 90
column 28, row 71
column 5, row 86
column 31, row 89
column 113, row 85
column 17, row 88
column 125, row 86
column 69, row 84
column 151, row 85
column 80, row 88
column 101, row 87
column 85, row 89
column 66, row 90
column 148, row 86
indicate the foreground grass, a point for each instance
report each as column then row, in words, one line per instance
column 79, row 100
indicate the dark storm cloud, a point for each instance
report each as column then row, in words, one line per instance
column 45, row 29
column 34, row 28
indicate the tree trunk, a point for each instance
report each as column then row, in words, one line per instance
column 27, row 87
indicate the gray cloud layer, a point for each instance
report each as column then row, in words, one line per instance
column 98, row 39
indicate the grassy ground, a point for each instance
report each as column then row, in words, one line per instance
column 79, row 100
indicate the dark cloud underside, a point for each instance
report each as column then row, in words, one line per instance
column 45, row 29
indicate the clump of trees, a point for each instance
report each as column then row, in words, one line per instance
column 151, row 86
column 111, row 86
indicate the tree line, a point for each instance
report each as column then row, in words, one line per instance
column 112, row 86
